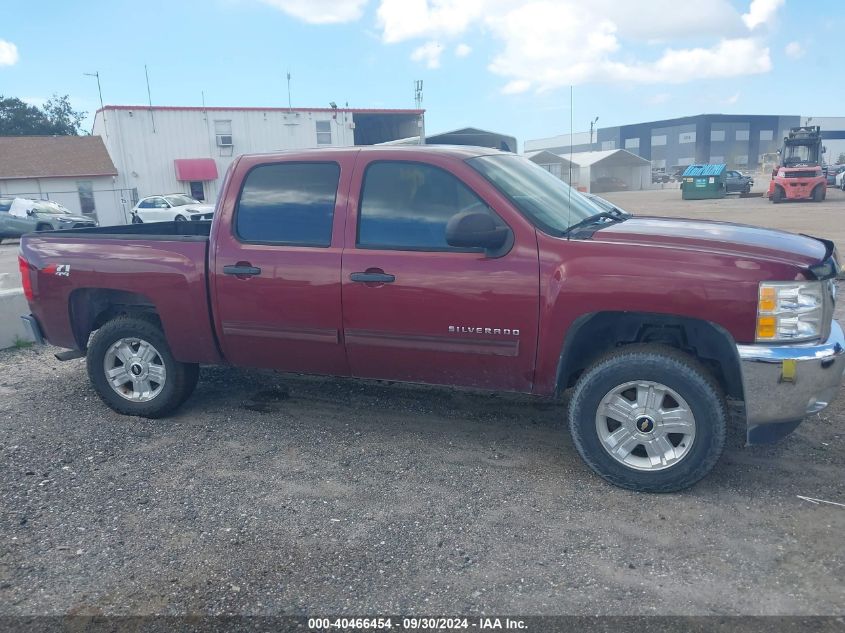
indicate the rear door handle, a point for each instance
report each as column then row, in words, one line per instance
column 378, row 278
column 241, row 271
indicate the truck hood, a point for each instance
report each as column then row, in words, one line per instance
column 722, row 237
column 65, row 217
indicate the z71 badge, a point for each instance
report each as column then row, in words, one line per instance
column 63, row 270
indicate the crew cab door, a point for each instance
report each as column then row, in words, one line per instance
column 416, row 309
column 277, row 264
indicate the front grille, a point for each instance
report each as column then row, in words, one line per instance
column 202, row 216
column 801, row 174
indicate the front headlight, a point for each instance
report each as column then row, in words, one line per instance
column 790, row 310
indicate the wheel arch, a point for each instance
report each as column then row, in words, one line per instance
column 592, row 335
column 90, row 308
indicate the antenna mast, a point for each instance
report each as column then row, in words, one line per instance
column 150, row 98
column 290, row 107
column 418, row 99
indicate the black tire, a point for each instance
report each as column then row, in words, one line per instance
column 819, row 193
column 44, row 227
column 777, row 195
column 181, row 218
column 180, row 381
column 671, row 368
column 136, row 219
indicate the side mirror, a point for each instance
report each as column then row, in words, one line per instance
column 30, row 212
column 476, row 230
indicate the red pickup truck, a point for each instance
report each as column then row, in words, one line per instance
column 457, row 266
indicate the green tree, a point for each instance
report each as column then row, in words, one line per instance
column 841, row 159
column 56, row 117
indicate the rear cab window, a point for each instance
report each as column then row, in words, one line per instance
column 288, row 204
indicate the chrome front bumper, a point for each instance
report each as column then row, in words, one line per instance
column 785, row 383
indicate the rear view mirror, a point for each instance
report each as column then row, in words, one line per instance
column 476, row 230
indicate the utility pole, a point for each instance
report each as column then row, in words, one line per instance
column 102, row 107
column 592, row 126
column 150, row 98
column 418, row 99
column 290, row 107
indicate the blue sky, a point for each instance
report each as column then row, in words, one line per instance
column 504, row 65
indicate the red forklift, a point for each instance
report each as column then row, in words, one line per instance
column 799, row 175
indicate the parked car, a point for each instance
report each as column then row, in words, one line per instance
column 458, row 266
column 24, row 215
column 840, row 180
column 833, row 172
column 736, row 182
column 172, row 207
column 608, row 183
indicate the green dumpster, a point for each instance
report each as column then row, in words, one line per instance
column 699, row 182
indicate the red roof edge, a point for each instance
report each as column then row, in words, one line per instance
column 259, row 109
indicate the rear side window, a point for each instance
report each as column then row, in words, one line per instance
column 288, row 203
column 406, row 206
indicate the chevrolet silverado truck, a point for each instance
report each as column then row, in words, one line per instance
column 465, row 267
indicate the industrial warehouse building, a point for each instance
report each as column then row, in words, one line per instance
column 740, row 141
column 188, row 149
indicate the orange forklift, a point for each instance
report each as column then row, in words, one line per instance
column 799, row 175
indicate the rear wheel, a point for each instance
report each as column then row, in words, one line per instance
column 133, row 370
column 648, row 418
column 43, row 227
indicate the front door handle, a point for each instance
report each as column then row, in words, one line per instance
column 241, row 270
column 373, row 277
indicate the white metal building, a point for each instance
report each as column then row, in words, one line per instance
column 188, row 149
column 606, row 170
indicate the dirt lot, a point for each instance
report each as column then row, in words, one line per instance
column 268, row 494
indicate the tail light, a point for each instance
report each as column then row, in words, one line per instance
column 26, row 279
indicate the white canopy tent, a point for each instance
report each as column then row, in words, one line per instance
column 605, row 170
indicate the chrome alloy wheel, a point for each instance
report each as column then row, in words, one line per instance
column 135, row 369
column 645, row 425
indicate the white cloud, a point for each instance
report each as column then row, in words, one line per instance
column 659, row 98
column 321, row 11
column 429, row 53
column 732, row 99
column 8, row 53
column 516, row 87
column 761, row 12
column 462, row 50
column 406, row 19
column 794, row 50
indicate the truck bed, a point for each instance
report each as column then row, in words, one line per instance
column 184, row 231
column 163, row 265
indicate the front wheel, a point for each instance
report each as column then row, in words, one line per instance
column 648, row 418
column 181, row 218
column 777, row 195
column 819, row 193
column 136, row 219
column 133, row 370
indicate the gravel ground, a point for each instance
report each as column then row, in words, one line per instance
column 270, row 494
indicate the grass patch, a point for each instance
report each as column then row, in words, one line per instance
column 22, row 343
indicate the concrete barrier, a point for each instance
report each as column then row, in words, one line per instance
column 13, row 306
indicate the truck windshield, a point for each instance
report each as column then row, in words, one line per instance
column 544, row 198
column 178, row 201
column 795, row 154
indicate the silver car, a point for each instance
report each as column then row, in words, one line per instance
column 24, row 215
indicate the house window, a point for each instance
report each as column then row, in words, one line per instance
column 717, row 135
column 741, row 160
column 659, row 164
column 766, row 135
column 223, row 133
column 608, row 145
column 86, row 195
column 659, row 139
column 324, row 132
column 632, row 143
column 197, row 190
column 689, row 160
column 686, row 137
column 742, row 135
column 717, row 160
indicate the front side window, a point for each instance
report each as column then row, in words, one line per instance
column 658, row 139
column 288, row 203
column 406, row 206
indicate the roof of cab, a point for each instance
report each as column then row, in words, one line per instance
column 456, row 151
